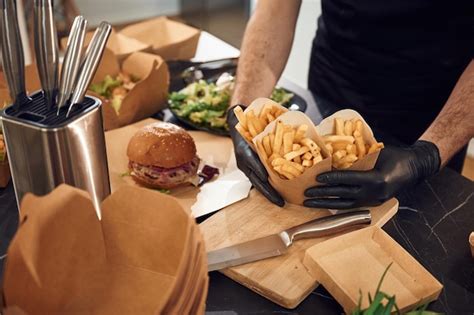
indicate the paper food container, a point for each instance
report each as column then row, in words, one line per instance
column 353, row 263
column 122, row 46
column 144, row 253
column 292, row 190
column 167, row 38
column 327, row 127
column 149, row 95
column 257, row 106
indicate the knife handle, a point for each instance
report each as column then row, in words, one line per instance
column 12, row 51
column 90, row 63
column 329, row 225
column 46, row 47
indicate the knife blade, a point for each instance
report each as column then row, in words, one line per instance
column 72, row 60
column 90, row 63
column 46, row 48
column 278, row 244
column 13, row 58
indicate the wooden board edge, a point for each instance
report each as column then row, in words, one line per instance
column 275, row 298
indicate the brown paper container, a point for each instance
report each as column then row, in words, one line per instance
column 257, row 106
column 354, row 262
column 148, row 96
column 122, row 46
column 292, row 190
column 327, row 126
column 63, row 260
column 167, row 38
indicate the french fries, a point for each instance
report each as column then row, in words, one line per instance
column 346, row 145
column 250, row 124
column 288, row 150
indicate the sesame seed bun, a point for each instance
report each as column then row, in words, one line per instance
column 161, row 144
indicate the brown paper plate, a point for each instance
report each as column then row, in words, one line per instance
column 354, row 262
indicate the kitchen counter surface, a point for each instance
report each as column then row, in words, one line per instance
column 433, row 224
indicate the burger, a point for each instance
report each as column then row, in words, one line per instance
column 162, row 155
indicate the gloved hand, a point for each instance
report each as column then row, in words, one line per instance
column 397, row 168
column 249, row 163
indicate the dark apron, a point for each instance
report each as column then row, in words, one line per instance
column 395, row 62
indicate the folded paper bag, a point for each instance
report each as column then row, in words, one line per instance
column 292, row 190
column 121, row 45
column 169, row 39
column 147, row 97
column 64, row 260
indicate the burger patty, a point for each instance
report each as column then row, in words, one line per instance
column 156, row 175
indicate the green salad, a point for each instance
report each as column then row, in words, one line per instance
column 202, row 103
column 206, row 103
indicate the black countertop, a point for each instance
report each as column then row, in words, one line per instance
column 433, row 224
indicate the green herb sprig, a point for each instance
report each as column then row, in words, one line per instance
column 384, row 304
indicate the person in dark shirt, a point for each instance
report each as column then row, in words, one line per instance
column 406, row 66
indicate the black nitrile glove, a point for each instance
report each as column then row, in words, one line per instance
column 249, row 163
column 397, row 168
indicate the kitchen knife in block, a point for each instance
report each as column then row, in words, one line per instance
column 283, row 279
column 352, row 264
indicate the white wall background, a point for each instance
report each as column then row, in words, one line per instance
column 297, row 67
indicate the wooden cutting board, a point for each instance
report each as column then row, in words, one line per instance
column 284, row 279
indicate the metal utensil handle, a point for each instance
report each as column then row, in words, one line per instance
column 329, row 225
column 12, row 52
column 46, row 48
column 91, row 61
column 72, row 60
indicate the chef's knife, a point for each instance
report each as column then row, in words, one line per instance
column 72, row 60
column 90, row 63
column 46, row 48
column 12, row 53
column 277, row 244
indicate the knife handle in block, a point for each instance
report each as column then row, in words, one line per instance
column 328, row 225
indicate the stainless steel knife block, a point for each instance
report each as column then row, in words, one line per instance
column 45, row 149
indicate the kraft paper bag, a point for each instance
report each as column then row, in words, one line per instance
column 169, row 39
column 292, row 190
column 148, row 96
column 122, row 46
column 64, row 260
column 326, row 127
